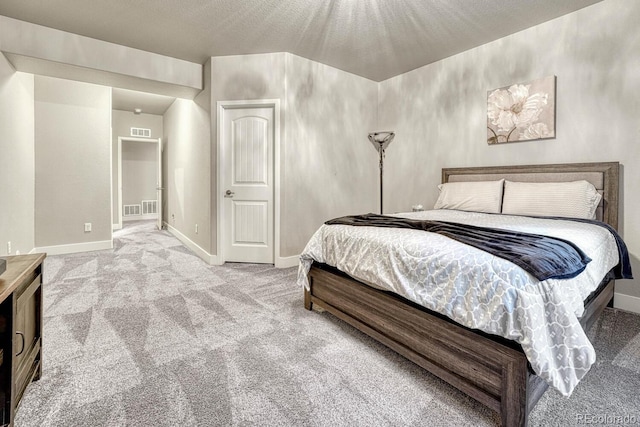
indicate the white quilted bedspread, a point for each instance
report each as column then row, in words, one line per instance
column 476, row 289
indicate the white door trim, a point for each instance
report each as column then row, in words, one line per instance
column 222, row 157
column 159, row 188
column 158, row 141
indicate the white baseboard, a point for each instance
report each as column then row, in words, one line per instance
column 195, row 248
column 73, row 248
column 281, row 262
column 288, row 261
column 626, row 302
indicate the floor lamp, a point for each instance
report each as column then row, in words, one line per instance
column 381, row 141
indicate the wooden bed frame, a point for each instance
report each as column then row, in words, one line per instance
column 488, row 368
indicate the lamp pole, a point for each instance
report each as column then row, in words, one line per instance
column 381, row 141
column 381, row 175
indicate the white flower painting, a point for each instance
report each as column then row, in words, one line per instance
column 522, row 112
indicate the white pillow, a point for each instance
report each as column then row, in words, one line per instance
column 576, row 199
column 476, row 196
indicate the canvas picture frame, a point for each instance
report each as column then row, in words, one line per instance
column 522, row 111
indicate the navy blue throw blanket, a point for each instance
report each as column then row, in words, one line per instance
column 623, row 269
column 543, row 257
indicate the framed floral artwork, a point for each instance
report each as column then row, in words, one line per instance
column 522, row 112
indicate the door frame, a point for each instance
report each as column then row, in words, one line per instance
column 158, row 142
column 223, row 156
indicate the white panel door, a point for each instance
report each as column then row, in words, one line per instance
column 247, row 135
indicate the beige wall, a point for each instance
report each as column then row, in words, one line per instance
column 72, row 169
column 16, row 160
column 244, row 77
column 329, row 168
column 439, row 111
column 187, row 177
column 326, row 115
column 139, row 171
column 121, row 124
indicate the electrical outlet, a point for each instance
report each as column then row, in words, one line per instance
column 8, row 248
column 196, row 228
column 87, row 227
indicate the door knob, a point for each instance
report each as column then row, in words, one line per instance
column 229, row 193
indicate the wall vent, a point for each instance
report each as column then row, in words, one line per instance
column 131, row 210
column 140, row 132
column 149, row 207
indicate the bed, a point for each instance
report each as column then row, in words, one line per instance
column 489, row 368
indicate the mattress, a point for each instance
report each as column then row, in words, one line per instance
column 476, row 289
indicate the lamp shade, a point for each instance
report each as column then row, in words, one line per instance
column 381, row 139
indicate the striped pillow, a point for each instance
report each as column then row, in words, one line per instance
column 576, row 199
column 478, row 196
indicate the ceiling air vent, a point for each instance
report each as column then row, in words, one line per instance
column 144, row 133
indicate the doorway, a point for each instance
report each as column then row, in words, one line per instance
column 139, row 180
column 248, row 202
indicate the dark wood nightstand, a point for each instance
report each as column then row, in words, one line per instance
column 20, row 330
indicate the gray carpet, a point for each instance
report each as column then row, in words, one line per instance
column 149, row 335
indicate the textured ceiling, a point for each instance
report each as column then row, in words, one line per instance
column 376, row 39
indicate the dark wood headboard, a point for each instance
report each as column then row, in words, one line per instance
column 604, row 176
